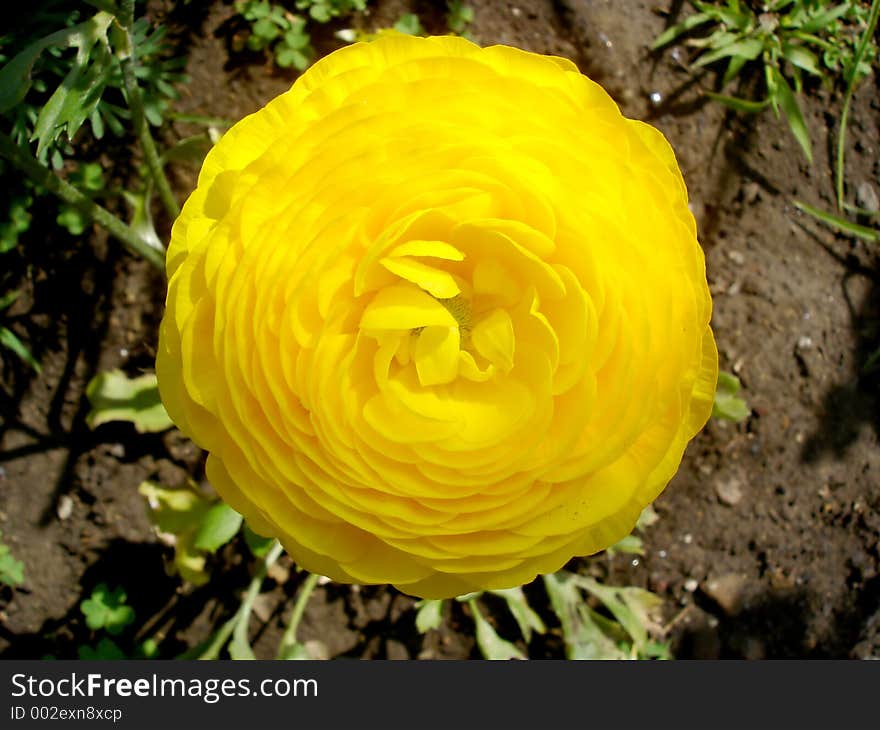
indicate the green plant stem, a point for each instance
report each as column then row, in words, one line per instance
column 239, row 621
column 302, row 598
column 70, row 194
column 139, row 119
column 850, row 89
column 200, row 119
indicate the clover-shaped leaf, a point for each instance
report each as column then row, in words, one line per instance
column 105, row 649
column 106, row 609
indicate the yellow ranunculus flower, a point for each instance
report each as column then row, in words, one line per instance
column 440, row 317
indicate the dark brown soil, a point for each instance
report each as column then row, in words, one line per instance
column 767, row 542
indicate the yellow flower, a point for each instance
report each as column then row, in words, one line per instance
column 440, row 317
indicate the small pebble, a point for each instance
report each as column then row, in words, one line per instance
column 691, row 584
column 751, row 193
column 116, row 450
column 804, row 343
column 728, row 591
column 866, row 197
column 65, row 507
column 729, row 491
column 656, row 97
column 736, row 257
column 687, row 539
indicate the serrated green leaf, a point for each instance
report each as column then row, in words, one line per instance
column 728, row 405
column 525, row 617
column 116, row 397
column 106, row 609
column 586, row 635
column 491, row 645
column 15, row 76
column 219, row 526
column 429, row 615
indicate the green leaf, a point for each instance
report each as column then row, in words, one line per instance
column 525, row 617
column 10, row 341
column 823, row 20
column 11, row 570
column 257, row 544
column 429, row 615
column 116, row 397
column 747, row 49
column 72, row 219
column 176, row 511
column 106, row 649
column 15, row 76
column 409, row 24
column 490, row 644
column 287, row 57
column 674, row 31
column 239, row 647
column 294, row 651
column 802, row 58
column 141, row 221
column 18, row 220
column 789, row 105
column 586, row 635
column 728, row 405
column 740, row 105
column 631, row 606
column 841, row 224
column 106, row 609
column 149, row 649
column 219, row 526
column 630, row 545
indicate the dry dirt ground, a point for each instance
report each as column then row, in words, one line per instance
column 767, row 542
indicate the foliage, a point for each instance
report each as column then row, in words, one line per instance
column 274, row 28
column 728, row 405
column 89, row 177
column 409, row 24
column 786, row 39
column 114, row 396
column 47, row 92
column 286, row 34
column 193, row 522
column 622, row 629
column 458, row 16
column 106, row 609
column 11, row 570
